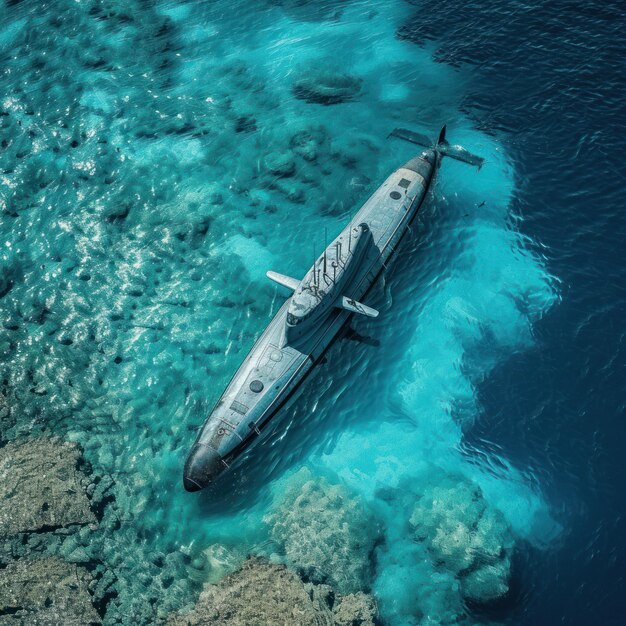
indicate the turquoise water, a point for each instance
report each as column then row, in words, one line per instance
column 140, row 215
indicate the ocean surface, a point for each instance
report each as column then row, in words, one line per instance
column 158, row 157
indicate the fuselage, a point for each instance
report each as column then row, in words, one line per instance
column 309, row 321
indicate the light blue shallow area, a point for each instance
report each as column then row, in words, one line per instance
column 141, row 214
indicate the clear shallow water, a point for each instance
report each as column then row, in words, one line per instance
column 140, row 217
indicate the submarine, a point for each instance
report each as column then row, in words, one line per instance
column 321, row 303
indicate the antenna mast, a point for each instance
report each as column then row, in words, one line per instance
column 314, row 270
column 350, row 234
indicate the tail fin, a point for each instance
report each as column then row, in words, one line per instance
column 442, row 146
column 460, row 154
column 442, row 136
column 409, row 135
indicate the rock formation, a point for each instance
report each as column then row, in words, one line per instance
column 324, row 532
column 466, row 537
column 41, row 487
column 325, row 87
column 263, row 593
column 48, row 507
column 46, row 592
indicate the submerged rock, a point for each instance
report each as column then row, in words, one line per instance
column 307, row 141
column 327, row 87
column 357, row 609
column 324, row 532
column 466, row 537
column 488, row 582
column 280, row 164
column 47, row 592
column 41, row 487
column 259, row 593
column 263, row 593
column 5, row 410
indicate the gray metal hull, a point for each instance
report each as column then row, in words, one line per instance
column 272, row 372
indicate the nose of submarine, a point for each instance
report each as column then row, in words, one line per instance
column 203, row 465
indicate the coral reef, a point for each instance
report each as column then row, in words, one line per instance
column 47, row 592
column 41, row 488
column 466, row 537
column 323, row 531
column 265, row 593
column 356, row 609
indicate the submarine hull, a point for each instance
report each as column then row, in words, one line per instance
column 275, row 369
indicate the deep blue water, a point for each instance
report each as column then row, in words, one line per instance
column 139, row 221
column 551, row 80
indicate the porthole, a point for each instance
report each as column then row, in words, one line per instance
column 395, row 195
column 256, row 386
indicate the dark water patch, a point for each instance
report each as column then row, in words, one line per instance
column 550, row 81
